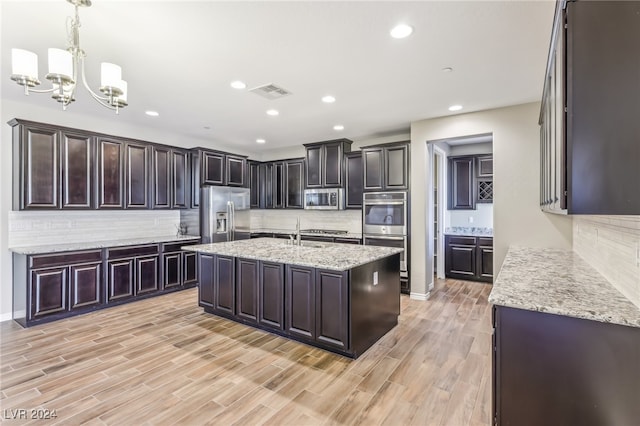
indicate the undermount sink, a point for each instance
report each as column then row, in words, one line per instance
column 307, row 244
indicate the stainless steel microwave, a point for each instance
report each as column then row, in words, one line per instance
column 324, row 199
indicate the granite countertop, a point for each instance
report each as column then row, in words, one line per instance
column 560, row 282
column 293, row 231
column 469, row 231
column 56, row 248
column 334, row 256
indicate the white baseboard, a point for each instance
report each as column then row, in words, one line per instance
column 6, row 317
column 419, row 296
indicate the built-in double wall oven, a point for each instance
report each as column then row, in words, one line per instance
column 385, row 223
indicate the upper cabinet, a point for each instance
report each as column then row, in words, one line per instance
column 589, row 123
column 277, row 184
column 470, row 181
column 354, row 179
column 110, row 173
column 170, row 178
column 325, row 163
column 294, row 183
column 137, row 176
column 386, row 167
column 219, row 168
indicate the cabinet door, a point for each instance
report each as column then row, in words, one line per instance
column 172, row 271
column 179, row 179
column 484, row 268
column 254, row 185
column 396, row 160
column 85, row 285
column 461, row 188
column 460, row 261
column 40, row 168
column 147, row 279
column 300, row 302
column 332, row 165
column 161, row 179
column 206, row 273
column 294, row 184
column 137, row 176
column 235, row 170
column 247, row 290
column 314, row 166
column 355, row 180
column 271, row 295
column 278, row 185
column 195, row 179
column 48, row 291
column 484, row 166
column 332, row 308
column 189, row 267
column 212, row 168
column 224, row 278
column 77, row 170
column 373, row 169
column 110, row 174
column 120, row 279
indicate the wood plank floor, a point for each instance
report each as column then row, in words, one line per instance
column 164, row 361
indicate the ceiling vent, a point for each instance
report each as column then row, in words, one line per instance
column 270, row 91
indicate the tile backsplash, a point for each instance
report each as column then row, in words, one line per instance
column 611, row 244
column 343, row 220
column 34, row 228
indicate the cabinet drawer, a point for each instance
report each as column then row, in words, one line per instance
column 132, row 251
column 485, row 241
column 462, row 240
column 176, row 246
column 65, row 259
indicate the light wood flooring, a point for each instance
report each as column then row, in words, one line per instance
column 165, row 361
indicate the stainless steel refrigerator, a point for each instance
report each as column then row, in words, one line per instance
column 224, row 214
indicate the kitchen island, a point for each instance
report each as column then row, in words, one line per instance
column 339, row 297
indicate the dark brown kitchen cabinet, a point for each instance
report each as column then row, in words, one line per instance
column 53, row 286
column 189, row 268
column 235, row 166
column 132, row 271
column 219, row 168
column 253, row 168
column 469, row 258
column 294, row 183
column 206, row 267
column 271, row 295
column 224, row 277
column 110, row 174
column 195, row 179
column 179, row 268
column 53, row 167
column 325, row 163
column 354, row 180
column 137, row 176
column 484, row 166
column 278, row 182
column 572, row 370
column 461, row 183
column 172, row 272
column 386, row 167
column 170, row 178
column 247, row 284
column 589, row 127
column 300, row 302
column 332, row 308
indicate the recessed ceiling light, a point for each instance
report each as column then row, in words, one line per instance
column 401, row 31
column 152, row 113
column 328, row 99
column 447, row 69
column 238, row 84
column 273, row 112
column 455, row 107
column 261, row 141
column 338, row 127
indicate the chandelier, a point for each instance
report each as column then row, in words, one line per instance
column 64, row 66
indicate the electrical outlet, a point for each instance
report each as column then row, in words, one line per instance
column 375, row 278
column 470, row 219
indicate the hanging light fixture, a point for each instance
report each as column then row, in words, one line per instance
column 64, row 67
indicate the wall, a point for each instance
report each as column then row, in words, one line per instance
column 73, row 118
column 517, row 218
column 611, row 244
column 471, row 149
column 482, row 217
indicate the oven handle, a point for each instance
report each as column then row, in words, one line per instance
column 383, row 203
column 384, row 237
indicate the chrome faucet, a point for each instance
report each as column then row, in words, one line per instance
column 298, row 231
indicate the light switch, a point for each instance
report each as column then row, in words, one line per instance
column 375, row 278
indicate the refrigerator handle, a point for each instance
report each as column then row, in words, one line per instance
column 232, row 221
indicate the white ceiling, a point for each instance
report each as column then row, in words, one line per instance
column 179, row 58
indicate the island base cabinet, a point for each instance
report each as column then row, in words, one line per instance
column 247, row 290
column 205, row 289
column 301, row 302
column 332, row 308
column 224, row 277
column 271, row 295
column 553, row 369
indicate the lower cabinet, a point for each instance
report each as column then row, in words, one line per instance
column 554, row 369
column 271, row 295
column 52, row 286
column 469, row 258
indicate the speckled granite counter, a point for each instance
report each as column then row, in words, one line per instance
column 56, row 248
column 337, row 257
column 560, row 282
column 314, row 234
column 469, row 231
